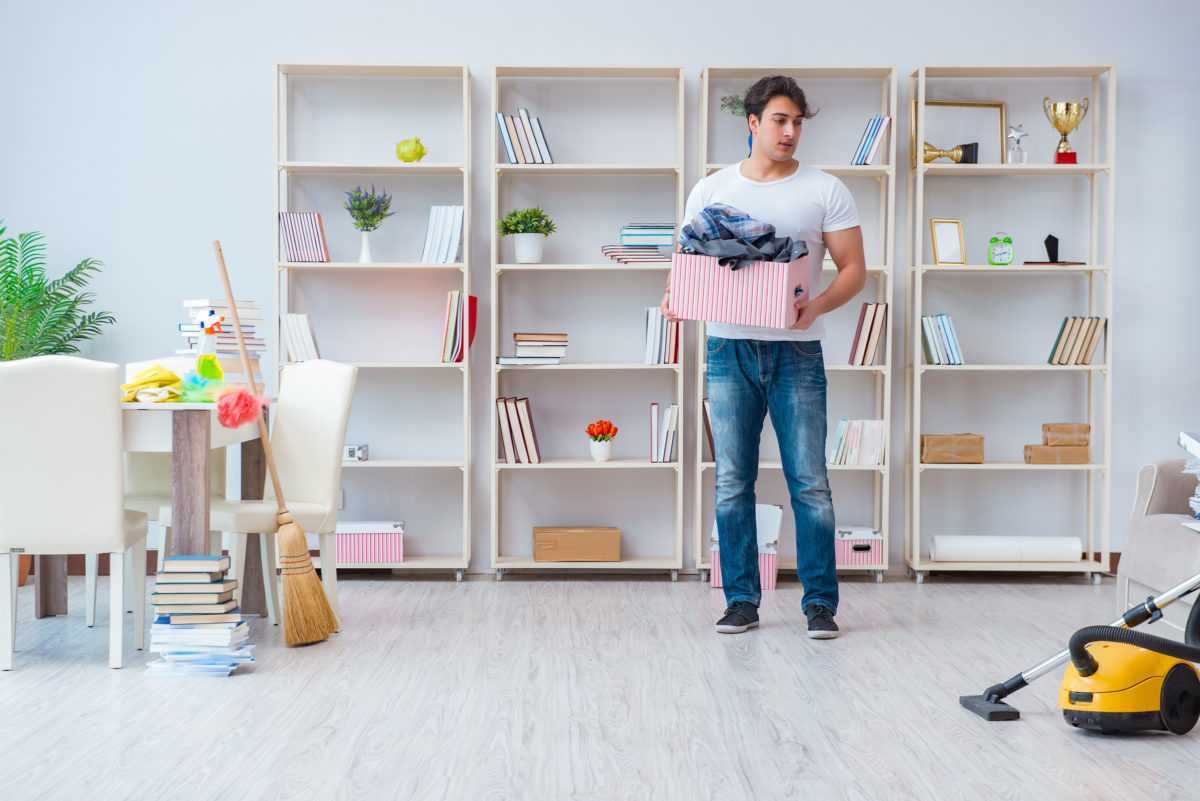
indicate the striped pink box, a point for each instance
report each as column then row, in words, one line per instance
column 768, row 569
column 858, row 545
column 370, row 543
column 760, row 293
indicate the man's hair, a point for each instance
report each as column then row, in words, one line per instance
column 760, row 94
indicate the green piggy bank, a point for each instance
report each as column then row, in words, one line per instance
column 410, row 150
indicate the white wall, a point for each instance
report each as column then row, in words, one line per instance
column 137, row 133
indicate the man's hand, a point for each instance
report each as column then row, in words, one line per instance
column 810, row 310
column 666, row 301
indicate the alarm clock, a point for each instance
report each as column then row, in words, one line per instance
column 1000, row 249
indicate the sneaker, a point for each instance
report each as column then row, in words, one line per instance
column 740, row 615
column 820, row 622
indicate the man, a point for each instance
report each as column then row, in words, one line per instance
column 755, row 370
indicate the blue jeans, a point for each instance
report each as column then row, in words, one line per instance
column 746, row 379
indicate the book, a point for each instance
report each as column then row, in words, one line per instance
column 453, row 301
column 528, row 349
column 526, row 150
column 876, row 335
column 168, row 587
column 159, row 597
column 929, row 342
column 512, row 133
column 300, row 337
column 518, row 434
column 541, row 141
column 461, row 312
column 527, row 127
column 303, row 236
column 195, row 564
column 527, row 337
column 454, row 238
column 1085, row 335
column 527, row 431
column 654, row 432
column 865, row 141
column 876, row 141
column 1190, row 442
column 951, row 339
column 1057, row 341
column 1067, row 339
column 1094, row 341
column 435, row 216
column 188, row 578
column 528, row 359
column 859, row 350
column 668, row 449
column 205, row 619
column 504, row 138
column 177, row 608
column 505, row 432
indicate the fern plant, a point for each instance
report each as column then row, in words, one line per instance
column 40, row 316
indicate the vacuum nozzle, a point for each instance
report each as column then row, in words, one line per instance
column 989, row 709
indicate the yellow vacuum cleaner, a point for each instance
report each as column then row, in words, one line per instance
column 1118, row 680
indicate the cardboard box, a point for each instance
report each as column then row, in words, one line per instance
column 768, row 568
column 1066, row 433
column 576, row 544
column 369, row 543
column 952, row 448
column 1056, row 454
column 858, row 545
column 760, row 293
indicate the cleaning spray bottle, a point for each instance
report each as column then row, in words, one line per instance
column 207, row 365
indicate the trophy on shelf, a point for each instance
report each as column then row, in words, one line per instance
column 1016, row 153
column 961, row 154
column 1064, row 117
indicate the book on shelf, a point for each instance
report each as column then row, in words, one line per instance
column 858, row 347
column 872, row 136
column 712, row 447
column 540, row 349
column 303, row 236
column 461, row 311
column 875, row 337
column 1077, row 340
column 857, row 442
column 525, row 414
column 514, row 427
column 528, row 359
column 300, row 337
column 511, row 127
column 195, row 564
column 443, row 235
column 508, row 445
column 648, row 235
column 527, row 128
column 876, row 141
column 662, row 338
column 526, row 148
column 665, row 444
column 541, row 141
column 654, row 432
column 524, row 336
column 939, row 340
column 865, row 140
column 505, row 139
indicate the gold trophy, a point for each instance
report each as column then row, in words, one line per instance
column 961, row 154
column 1065, row 117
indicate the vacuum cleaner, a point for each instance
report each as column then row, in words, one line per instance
column 1118, row 680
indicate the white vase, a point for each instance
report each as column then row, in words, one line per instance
column 601, row 449
column 364, row 253
column 529, row 248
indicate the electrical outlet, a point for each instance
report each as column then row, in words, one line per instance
column 341, row 499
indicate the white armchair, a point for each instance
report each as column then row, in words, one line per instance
column 62, row 483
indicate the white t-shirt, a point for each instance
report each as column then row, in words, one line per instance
column 803, row 206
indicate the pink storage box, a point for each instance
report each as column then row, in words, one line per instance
column 370, row 543
column 858, row 545
column 768, row 568
column 760, row 293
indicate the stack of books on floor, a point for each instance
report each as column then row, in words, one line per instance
column 939, row 340
column 869, row 334
column 857, row 442
column 518, row 440
column 662, row 338
column 1077, row 340
column 197, row 630
column 872, row 137
column 637, row 254
column 662, row 432
column 303, row 236
column 522, row 137
column 443, row 235
column 533, row 348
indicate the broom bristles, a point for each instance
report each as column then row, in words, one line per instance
column 309, row 617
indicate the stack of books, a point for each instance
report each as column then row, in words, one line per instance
column 460, row 325
column 662, row 338
column 871, row 139
column 518, row 440
column 857, row 442
column 939, row 340
column 662, row 432
column 443, row 236
column 521, row 134
column 303, row 236
column 1077, row 340
column 648, row 234
column 869, row 333
column 635, row 254
column 204, row 311
column 197, row 630
column 533, row 348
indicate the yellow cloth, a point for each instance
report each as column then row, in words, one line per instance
column 153, row 385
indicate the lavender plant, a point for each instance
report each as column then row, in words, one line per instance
column 367, row 209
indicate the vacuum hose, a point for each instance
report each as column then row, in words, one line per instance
column 1086, row 664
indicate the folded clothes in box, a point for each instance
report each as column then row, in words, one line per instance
column 1066, row 433
column 1056, row 454
column 760, row 293
column 952, row 448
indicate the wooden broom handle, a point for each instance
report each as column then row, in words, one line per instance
column 264, row 435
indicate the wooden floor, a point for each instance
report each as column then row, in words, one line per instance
column 545, row 688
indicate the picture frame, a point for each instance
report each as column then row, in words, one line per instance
column 949, row 123
column 947, row 238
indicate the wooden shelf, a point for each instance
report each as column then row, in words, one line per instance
column 1011, row 368
column 391, row 464
column 328, row 69
column 1015, row 71
column 409, row 365
column 1011, row 466
column 1082, row 566
column 611, row 266
column 626, row 563
column 382, row 266
column 576, row 366
column 993, row 170
column 412, row 563
column 839, row 170
column 589, row 169
column 1012, row 269
column 370, row 168
column 586, row 71
column 590, row 464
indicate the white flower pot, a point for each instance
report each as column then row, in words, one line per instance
column 529, row 248
column 601, row 450
column 364, row 253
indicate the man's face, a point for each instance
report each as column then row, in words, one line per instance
column 776, row 134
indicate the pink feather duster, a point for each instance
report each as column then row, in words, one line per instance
column 239, row 406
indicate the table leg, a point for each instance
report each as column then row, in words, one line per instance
column 50, row 585
column 191, row 436
column 254, row 465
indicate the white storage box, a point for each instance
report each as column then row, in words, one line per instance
column 370, row 542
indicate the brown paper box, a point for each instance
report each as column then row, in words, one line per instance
column 1066, row 433
column 1056, row 454
column 576, row 544
column 952, row 448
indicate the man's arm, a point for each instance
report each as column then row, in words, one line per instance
column 846, row 249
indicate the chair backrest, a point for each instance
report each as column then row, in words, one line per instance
column 309, row 431
column 61, row 476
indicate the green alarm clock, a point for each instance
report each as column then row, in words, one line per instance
column 1000, row 249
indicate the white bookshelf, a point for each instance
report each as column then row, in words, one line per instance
column 1077, row 202
column 616, row 134
column 336, row 127
column 846, row 97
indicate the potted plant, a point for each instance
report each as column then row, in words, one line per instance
column 40, row 316
column 368, row 210
column 735, row 104
column 601, row 434
column 528, row 228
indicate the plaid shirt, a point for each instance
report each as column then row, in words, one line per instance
column 719, row 221
column 736, row 239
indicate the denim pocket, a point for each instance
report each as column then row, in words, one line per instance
column 715, row 345
column 809, row 348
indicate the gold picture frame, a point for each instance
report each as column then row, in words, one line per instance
column 955, row 129
column 952, row 249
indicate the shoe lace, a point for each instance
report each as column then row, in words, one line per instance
column 820, row 611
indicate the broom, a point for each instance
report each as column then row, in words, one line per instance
column 307, row 615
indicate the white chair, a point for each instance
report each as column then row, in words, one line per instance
column 309, row 428
column 62, row 483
